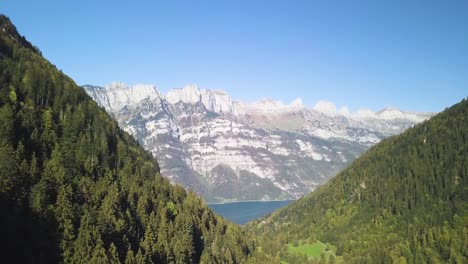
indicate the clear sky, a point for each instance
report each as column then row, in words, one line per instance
column 361, row 54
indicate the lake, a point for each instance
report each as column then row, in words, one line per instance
column 243, row 212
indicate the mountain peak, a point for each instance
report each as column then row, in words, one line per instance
column 191, row 88
column 214, row 100
column 218, row 101
column 116, row 95
column 187, row 94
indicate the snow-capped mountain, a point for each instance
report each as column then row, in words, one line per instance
column 229, row 150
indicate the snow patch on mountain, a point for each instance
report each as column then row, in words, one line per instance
column 308, row 149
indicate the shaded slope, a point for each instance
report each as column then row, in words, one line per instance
column 75, row 188
column 404, row 201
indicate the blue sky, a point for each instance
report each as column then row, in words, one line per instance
column 361, row 54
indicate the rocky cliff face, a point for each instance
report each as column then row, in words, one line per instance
column 228, row 150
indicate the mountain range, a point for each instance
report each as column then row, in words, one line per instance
column 227, row 150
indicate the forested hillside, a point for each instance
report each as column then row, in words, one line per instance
column 404, row 201
column 74, row 188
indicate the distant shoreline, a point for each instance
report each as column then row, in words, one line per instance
column 251, row 201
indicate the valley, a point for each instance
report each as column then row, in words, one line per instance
column 129, row 174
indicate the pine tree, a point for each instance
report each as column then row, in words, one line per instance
column 99, row 255
column 130, row 257
column 65, row 217
column 112, row 255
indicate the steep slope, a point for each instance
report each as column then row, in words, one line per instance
column 228, row 150
column 404, row 201
column 74, row 188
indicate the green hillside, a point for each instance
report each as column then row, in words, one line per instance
column 404, row 201
column 74, row 188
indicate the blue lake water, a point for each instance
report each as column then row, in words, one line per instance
column 243, row 212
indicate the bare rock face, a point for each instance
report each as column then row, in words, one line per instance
column 227, row 150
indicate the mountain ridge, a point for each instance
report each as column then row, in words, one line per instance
column 192, row 93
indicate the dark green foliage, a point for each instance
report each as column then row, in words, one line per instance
column 74, row 188
column 404, row 201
